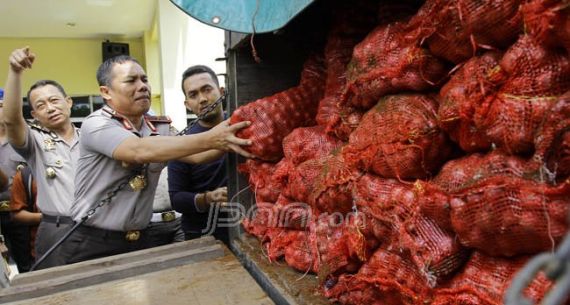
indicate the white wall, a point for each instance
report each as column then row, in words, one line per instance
column 184, row 42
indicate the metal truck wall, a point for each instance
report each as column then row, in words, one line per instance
column 281, row 56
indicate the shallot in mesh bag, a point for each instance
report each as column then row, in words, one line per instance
column 552, row 141
column 536, row 77
column 274, row 117
column 456, row 29
column 478, row 79
column 484, row 281
column 386, row 61
column 399, row 138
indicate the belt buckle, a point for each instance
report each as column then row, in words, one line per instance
column 5, row 206
column 133, row 235
column 168, row 216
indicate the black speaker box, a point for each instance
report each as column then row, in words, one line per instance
column 112, row 49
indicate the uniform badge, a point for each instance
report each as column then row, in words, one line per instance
column 49, row 145
column 137, row 183
column 50, row 172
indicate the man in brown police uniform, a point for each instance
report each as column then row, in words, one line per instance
column 50, row 148
column 119, row 143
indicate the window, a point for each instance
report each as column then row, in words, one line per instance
column 81, row 106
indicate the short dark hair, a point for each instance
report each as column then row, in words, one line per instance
column 104, row 71
column 42, row 83
column 197, row 70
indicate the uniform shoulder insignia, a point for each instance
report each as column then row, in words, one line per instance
column 153, row 120
column 36, row 125
column 110, row 113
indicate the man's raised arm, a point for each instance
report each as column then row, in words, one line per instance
column 19, row 60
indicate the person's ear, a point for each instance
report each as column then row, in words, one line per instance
column 222, row 90
column 187, row 105
column 69, row 101
column 104, row 92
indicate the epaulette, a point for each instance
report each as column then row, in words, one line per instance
column 109, row 112
column 36, row 125
column 151, row 120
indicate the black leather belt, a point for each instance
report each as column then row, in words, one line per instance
column 57, row 219
column 130, row 236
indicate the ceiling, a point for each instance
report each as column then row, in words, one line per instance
column 76, row 18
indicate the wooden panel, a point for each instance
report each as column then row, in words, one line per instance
column 96, row 264
column 220, row 281
column 110, row 271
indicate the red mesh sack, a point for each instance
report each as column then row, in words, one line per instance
column 433, row 249
column 553, row 140
column 300, row 253
column 463, row 172
column 324, row 183
column 352, row 21
column 434, row 204
column 284, row 214
column 436, row 252
column 263, row 183
column 386, row 279
column 258, row 223
column 387, row 200
column 344, row 242
column 399, row 138
column 548, row 22
column 340, row 120
column 536, row 77
column 434, row 196
column 277, row 240
column 307, row 143
column 454, row 30
column 507, row 216
column 274, row 117
column 386, row 62
column 292, row 215
column 485, row 280
column 469, row 86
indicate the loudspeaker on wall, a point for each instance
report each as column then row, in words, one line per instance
column 112, row 49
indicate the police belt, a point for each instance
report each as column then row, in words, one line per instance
column 167, row 216
column 129, row 236
column 57, row 219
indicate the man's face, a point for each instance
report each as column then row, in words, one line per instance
column 201, row 91
column 50, row 107
column 129, row 92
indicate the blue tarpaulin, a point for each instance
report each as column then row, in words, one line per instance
column 245, row 16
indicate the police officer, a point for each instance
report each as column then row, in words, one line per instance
column 118, row 144
column 49, row 146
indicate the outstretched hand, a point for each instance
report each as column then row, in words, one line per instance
column 21, row 59
column 218, row 195
column 224, row 138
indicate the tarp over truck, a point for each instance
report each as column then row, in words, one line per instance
column 245, row 16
